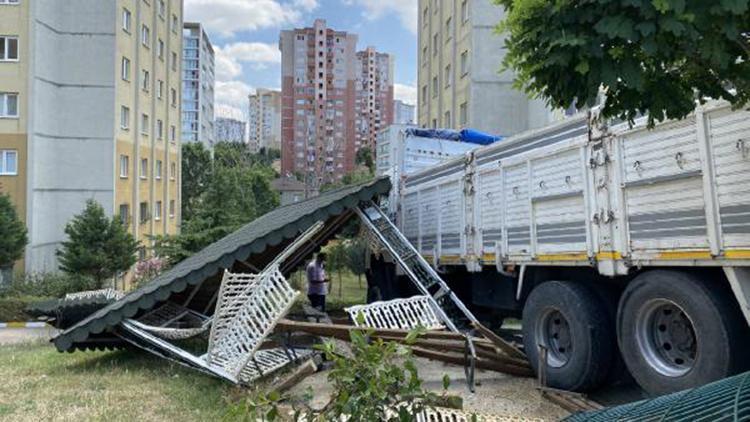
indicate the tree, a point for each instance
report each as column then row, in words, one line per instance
column 356, row 258
column 649, row 56
column 364, row 158
column 97, row 246
column 14, row 237
column 337, row 260
column 196, row 171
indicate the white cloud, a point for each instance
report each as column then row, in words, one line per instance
column 229, row 58
column 226, row 17
column 405, row 9
column 231, row 99
column 405, row 93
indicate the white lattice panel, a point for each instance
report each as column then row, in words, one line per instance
column 452, row 415
column 265, row 362
column 270, row 299
column 235, row 290
column 398, row 314
column 96, row 294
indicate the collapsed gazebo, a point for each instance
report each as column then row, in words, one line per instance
column 235, row 291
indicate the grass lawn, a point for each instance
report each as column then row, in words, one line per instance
column 38, row 383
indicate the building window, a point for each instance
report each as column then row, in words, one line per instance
column 162, row 9
column 157, row 211
column 158, row 170
column 434, row 123
column 435, row 44
column 425, row 17
column 447, row 120
column 463, row 114
column 144, row 124
column 126, row 20
column 424, row 94
column 8, row 105
column 173, row 97
column 8, row 162
column 124, row 166
column 8, row 49
column 9, row 1
column 464, row 63
column 124, row 118
column 145, row 80
column 159, row 89
column 174, row 62
column 173, row 134
column 448, row 76
column 171, row 208
column 175, row 23
column 159, row 129
column 124, row 214
column 144, row 212
column 465, row 10
column 144, row 168
column 145, row 36
column 435, row 86
column 173, row 171
column 125, row 69
column 160, row 49
column 448, row 29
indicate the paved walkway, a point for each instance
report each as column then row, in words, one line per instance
column 10, row 336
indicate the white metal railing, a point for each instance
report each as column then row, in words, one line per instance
column 267, row 361
column 398, row 314
column 271, row 298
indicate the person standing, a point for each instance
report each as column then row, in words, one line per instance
column 316, row 282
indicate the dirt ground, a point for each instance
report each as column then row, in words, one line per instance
column 496, row 393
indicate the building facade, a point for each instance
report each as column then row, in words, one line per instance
column 264, row 120
column 198, row 81
column 230, row 130
column 459, row 82
column 374, row 104
column 90, row 109
column 404, row 114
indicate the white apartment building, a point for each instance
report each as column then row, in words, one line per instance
column 404, row 114
column 264, row 120
column 197, row 86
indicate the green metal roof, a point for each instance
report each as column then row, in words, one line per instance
column 724, row 400
column 269, row 230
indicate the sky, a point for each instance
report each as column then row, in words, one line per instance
column 245, row 35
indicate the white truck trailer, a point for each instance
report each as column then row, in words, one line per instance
column 608, row 240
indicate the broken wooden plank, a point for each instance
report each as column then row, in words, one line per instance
column 295, row 377
column 570, row 401
column 503, row 345
column 481, row 363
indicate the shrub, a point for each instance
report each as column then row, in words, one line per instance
column 51, row 285
column 14, row 237
column 15, row 309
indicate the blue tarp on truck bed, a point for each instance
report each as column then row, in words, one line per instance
column 470, row 136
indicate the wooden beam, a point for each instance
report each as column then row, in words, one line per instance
column 480, row 363
column 295, row 377
column 503, row 345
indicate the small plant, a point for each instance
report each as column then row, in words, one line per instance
column 377, row 382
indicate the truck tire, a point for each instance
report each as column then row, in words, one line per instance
column 677, row 331
column 569, row 319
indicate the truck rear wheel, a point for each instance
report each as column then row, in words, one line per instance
column 676, row 331
column 569, row 320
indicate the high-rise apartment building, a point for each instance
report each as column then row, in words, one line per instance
column 374, row 105
column 230, row 130
column 264, row 120
column 459, row 81
column 318, row 97
column 197, row 85
column 404, row 114
column 90, row 109
column 320, row 71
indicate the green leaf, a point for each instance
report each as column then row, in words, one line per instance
column 446, row 381
column 582, row 68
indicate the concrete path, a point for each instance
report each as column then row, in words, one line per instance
column 11, row 336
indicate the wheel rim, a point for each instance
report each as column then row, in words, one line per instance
column 552, row 331
column 666, row 337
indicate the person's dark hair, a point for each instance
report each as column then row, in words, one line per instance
column 322, row 256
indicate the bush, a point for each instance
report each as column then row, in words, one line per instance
column 50, row 285
column 14, row 309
